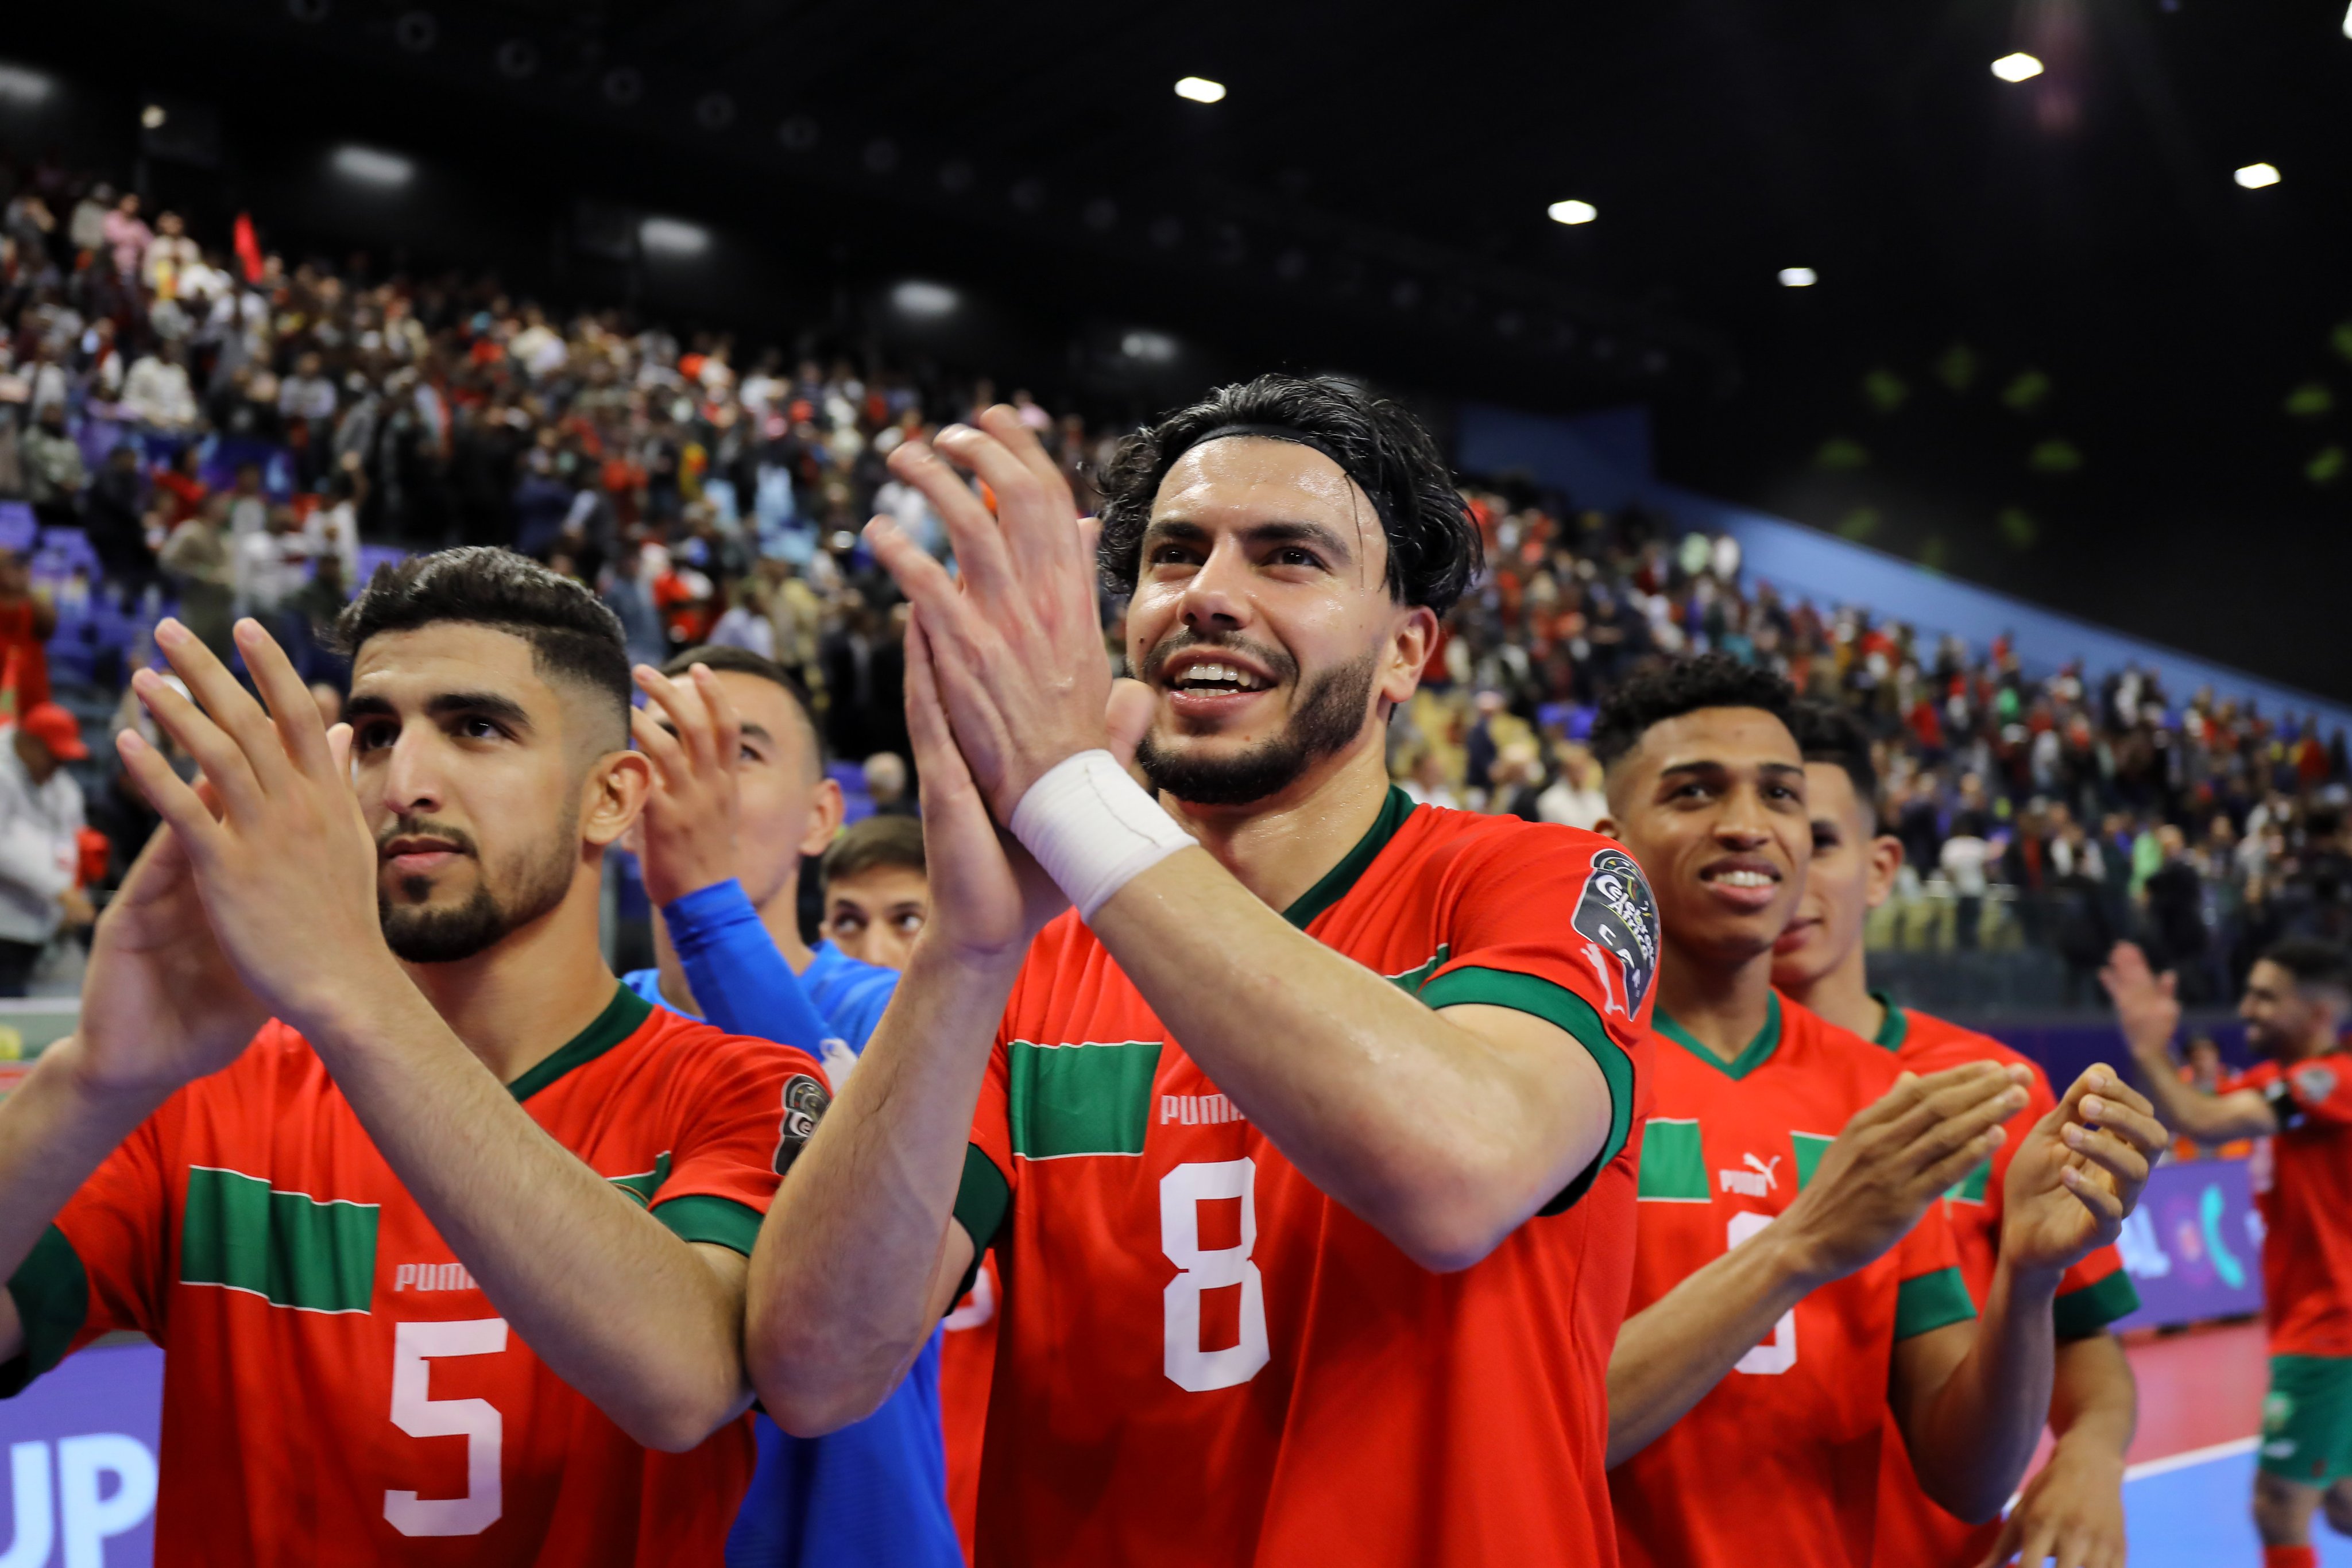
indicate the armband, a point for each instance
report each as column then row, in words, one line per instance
column 1093, row 829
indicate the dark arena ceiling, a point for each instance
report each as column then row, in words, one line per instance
column 2054, row 343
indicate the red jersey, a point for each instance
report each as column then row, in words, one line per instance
column 2302, row 1177
column 336, row 1387
column 1779, row 1463
column 1913, row 1530
column 967, row 1367
column 1203, row 1358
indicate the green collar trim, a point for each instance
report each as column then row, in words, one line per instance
column 1757, row 1054
column 623, row 1016
column 1354, row 863
column 1896, row 1028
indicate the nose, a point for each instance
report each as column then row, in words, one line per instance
column 411, row 784
column 1216, row 599
column 1743, row 823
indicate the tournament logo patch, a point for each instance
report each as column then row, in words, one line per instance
column 2314, row 1084
column 1617, row 917
column 805, row 1103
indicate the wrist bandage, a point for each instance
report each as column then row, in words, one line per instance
column 1093, row 829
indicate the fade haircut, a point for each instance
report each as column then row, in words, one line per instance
column 1434, row 550
column 1830, row 733
column 1651, row 696
column 877, row 843
column 2316, row 966
column 572, row 636
column 743, row 662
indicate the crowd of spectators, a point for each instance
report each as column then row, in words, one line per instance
column 233, row 433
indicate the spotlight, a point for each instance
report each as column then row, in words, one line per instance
column 370, row 167
column 24, row 88
column 2347, row 24
column 1571, row 211
column 2019, row 67
column 152, row 117
column 1798, row 278
column 1150, row 348
column 1201, row 90
column 673, row 237
column 924, row 301
column 2254, row 176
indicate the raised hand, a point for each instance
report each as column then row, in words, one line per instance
column 1016, row 644
column 686, row 833
column 2079, row 1172
column 2146, row 1006
column 1898, row 1154
column 286, row 869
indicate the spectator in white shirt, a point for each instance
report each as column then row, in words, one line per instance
column 271, row 566
column 1574, row 799
column 156, row 393
column 40, row 848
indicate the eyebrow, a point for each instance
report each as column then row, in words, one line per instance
column 747, row 730
column 1775, row 769
column 1327, row 539
column 447, row 705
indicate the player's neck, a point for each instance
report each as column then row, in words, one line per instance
column 1281, row 847
column 1722, row 1004
column 1842, row 995
column 780, row 915
column 524, row 1000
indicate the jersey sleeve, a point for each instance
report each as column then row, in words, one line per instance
column 2318, row 1092
column 735, row 972
column 1559, row 922
column 744, row 1119
column 99, row 1267
column 1930, row 1293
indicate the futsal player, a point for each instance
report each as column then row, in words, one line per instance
column 442, row 1228
column 2298, row 997
column 1794, row 1279
column 740, row 797
column 1299, row 1137
column 2072, row 1509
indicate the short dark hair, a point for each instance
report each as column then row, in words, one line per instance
column 1651, row 696
column 1830, row 733
column 2314, row 964
column 1434, row 550
column 871, row 845
column 743, row 662
column 572, row 634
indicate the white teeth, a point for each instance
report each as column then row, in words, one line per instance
column 1226, row 674
column 1744, row 879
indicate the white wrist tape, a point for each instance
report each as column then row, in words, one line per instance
column 1094, row 829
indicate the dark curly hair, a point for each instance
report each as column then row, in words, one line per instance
column 572, row 634
column 1433, row 545
column 2316, row 965
column 1669, row 690
column 1829, row 732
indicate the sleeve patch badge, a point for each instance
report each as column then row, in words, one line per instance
column 2314, row 1084
column 1618, row 920
column 805, row 1103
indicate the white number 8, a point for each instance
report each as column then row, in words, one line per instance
column 416, row 1413
column 1777, row 1354
column 1182, row 1193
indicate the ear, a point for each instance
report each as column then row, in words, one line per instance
column 1885, row 857
column 1410, row 647
column 613, row 797
column 1607, row 828
column 825, row 811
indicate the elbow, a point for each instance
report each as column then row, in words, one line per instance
column 815, row 1412
column 811, row 1390
column 1446, row 1238
column 682, row 1426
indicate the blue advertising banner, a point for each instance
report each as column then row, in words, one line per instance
column 81, row 1461
column 2194, row 1245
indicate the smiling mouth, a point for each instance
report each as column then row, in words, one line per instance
column 1212, row 679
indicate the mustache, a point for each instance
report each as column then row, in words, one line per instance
column 404, row 827
column 1277, row 664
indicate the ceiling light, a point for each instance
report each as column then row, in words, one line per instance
column 2019, row 67
column 1572, row 212
column 673, row 236
column 2254, row 176
column 370, row 167
column 24, row 88
column 924, row 301
column 1201, row 90
column 2347, row 24
column 1151, row 348
column 152, row 117
column 1798, row 278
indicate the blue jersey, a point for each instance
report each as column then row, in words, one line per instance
column 875, row 1492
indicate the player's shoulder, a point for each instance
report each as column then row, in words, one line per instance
column 1820, row 1047
column 694, row 1054
column 1433, row 832
column 1931, row 1044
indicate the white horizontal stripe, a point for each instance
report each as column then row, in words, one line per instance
column 2171, row 1462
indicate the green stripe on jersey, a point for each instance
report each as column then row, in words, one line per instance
column 644, row 1183
column 2079, row 1314
column 1809, row 1148
column 706, row 1216
column 1088, row 1099
column 1930, row 1302
column 1410, row 980
column 288, row 1247
column 1674, row 1169
column 1970, row 1188
column 52, row 1296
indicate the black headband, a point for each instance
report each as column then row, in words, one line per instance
column 1297, row 438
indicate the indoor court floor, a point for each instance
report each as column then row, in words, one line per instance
column 2192, row 1464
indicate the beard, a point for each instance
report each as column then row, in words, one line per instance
column 1329, row 714
column 421, row 933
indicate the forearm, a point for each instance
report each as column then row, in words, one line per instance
column 617, row 1305
column 738, row 975
column 1420, row 1127
column 1972, row 1437
column 1669, row 1355
column 2191, row 1113
column 845, row 1277
column 2093, row 1399
column 55, row 1130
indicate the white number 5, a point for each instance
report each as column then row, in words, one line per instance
column 415, row 1412
column 1182, row 1193
column 1777, row 1354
